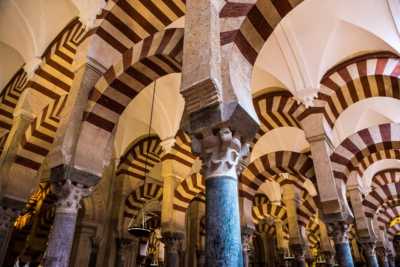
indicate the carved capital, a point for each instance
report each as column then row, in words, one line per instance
column 7, row 218
column 220, row 152
column 329, row 257
column 69, row 195
column 247, row 237
column 368, row 248
column 299, row 251
column 339, row 231
column 173, row 242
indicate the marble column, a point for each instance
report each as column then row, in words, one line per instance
column 381, row 254
column 62, row 233
column 7, row 218
column 172, row 247
column 299, row 253
column 339, row 233
column 220, row 155
column 296, row 239
column 247, row 236
column 369, row 252
column 329, row 258
column 326, row 247
column 280, row 242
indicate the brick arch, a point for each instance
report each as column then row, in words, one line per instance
column 150, row 59
column 50, row 86
column 132, row 162
column 386, row 176
column 270, row 165
column 373, row 157
column 124, row 23
column 307, row 210
column 187, row 190
column 256, row 21
column 355, row 148
column 181, row 151
column 136, row 200
column 9, row 97
column 389, row 212
column 276, row 109
column 263, row 208
column 313, row 233
column 379, row 196
column 386, row 215
column 362, row 77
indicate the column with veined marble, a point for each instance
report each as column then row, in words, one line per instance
column 340, row 235
column 221, row 120
column 7, row 218
column 221, row 153
column 62, row 233
column 296, row 240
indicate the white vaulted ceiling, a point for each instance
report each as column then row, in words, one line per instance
column 301, row 49
column 34, row 26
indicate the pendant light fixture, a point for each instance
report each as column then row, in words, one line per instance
column 142, row 230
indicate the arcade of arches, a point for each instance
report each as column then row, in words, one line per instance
column 221, row 133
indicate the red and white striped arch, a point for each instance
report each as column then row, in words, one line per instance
column 276, row 109
column 386, row 215
column 248, row 24
column 124, row 23
column 359, row 78
column 386, row 176
column 353, row 150
column 187, row 190
column 181, row 151
column 146, row 151
column 379, row 196
column 271, row 165
column 9, row 97
column 50, row 85
column 139, row 197
column 263, row 208
column 150, row 59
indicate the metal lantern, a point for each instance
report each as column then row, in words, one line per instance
column 139, row 231
column 142, row 231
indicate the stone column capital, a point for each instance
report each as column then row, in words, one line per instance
column 7, row 217
column 173, row 241
column 299, row 251
column 339, row 231
column 368, row 247
column 247, row 236
column 220, row 152
column 69, row 195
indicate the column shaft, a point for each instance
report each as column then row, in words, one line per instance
column 223, row 242
column 62, row 233
column 173, row 244
column 220, row 154
column 7, row 218
column 60, row 239
column 339, row 232
column 369, row 252
column 343, row 254
column 247, row 236
column 381, row 253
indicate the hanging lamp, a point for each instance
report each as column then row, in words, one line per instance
column 142, row 230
